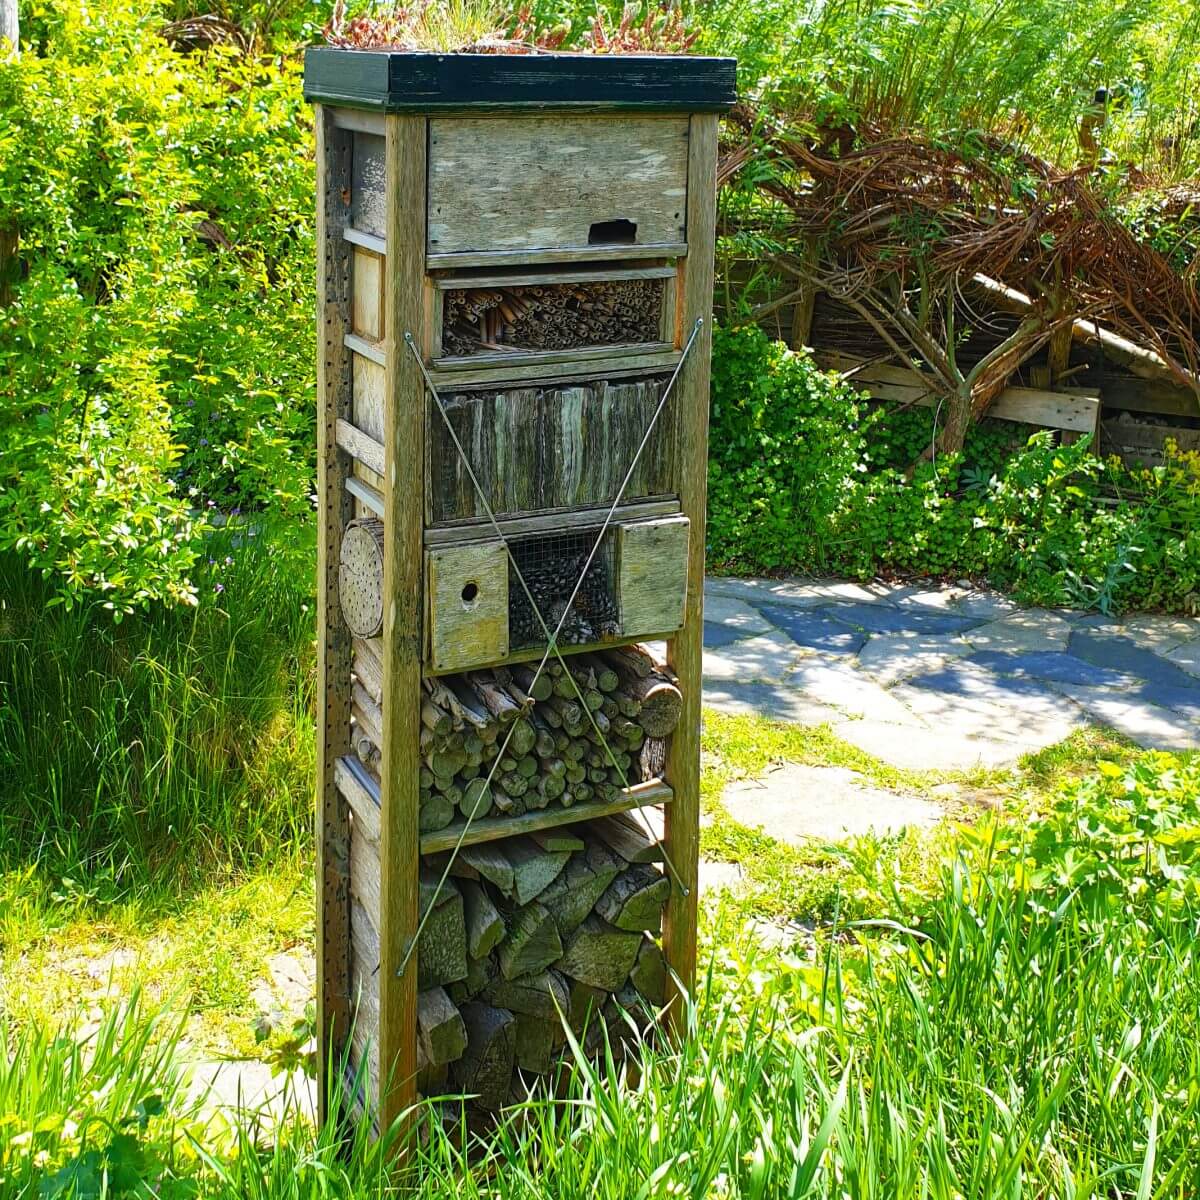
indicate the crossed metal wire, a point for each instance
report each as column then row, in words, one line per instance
column 551, row 638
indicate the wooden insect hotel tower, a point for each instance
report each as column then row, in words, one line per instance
column 516, row 271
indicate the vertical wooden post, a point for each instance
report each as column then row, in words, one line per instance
column 334, row 150
column 690, row 419
column 402, row 627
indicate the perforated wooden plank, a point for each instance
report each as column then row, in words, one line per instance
column 550, row 182
column 333, row 156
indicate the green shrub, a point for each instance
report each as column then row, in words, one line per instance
column 785, row 455
column 805, row 475
column 156, row 355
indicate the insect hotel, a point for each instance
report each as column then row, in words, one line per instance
column 516, row 261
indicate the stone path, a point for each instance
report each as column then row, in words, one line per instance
column 946, row 678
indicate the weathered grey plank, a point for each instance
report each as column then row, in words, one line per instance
column 535, row 448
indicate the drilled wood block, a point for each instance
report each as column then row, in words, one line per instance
column 468, row 605
column 360, row 577
column 556, row 182
column 652, row 560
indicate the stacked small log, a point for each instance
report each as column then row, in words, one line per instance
column 533, row 932
column 560, row 316
column 576, row 733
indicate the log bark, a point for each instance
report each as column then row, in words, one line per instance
column 583, row 881
column 532, row 943
column 635, row 899
column 599, row 954
column 534, row 869
column 485, row 925
column 486, row 1067
column 440, row 1028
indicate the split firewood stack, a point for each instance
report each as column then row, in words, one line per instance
column 574, row 734
column 529, row 933
column 558, row 316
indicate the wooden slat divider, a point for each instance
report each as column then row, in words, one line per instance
column 368, row 241
column 367, row 349
column 367, row 494
column 360, row 446
column 520, row 258
column 360, row 789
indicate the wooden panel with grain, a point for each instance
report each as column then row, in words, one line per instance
column 468, row 605
column 365, row 880
column 368, row 188
column 370, row 389
column 554, row 182
column 403, row 641
column 652, row 569
column 534, row 448
column 690, row 418
column 368, row 295
column 1072, row 410
column 364, row 994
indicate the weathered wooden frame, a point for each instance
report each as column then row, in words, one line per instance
column 384, row 474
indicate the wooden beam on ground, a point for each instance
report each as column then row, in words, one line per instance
column 1138, row 359
column 1073, row 410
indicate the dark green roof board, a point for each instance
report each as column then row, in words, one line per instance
column 398, row 81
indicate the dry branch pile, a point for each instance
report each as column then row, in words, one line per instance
column 559, row 316
column 918, row 238
column 578, row 733
column 526, row 929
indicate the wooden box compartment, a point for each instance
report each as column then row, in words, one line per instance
column 554, row 315
column 556, row 187
column 480, row 612
column 539, row 447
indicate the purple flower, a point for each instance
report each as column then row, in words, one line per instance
column 218, row 587
column 204, row 441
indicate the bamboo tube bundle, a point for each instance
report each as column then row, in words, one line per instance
column 533, row 932
column 568, row 736
column 552, row 316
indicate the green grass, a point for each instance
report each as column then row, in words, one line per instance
column 1037, row 1038
column 150, row 754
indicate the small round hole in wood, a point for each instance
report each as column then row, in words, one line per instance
column 470, row 594
column 360, row 577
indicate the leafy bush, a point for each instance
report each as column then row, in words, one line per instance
column 155, row 358
column 806, row 475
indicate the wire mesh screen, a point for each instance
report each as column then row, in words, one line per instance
column 551, row 564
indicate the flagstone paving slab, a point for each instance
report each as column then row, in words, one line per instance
column 946, row 677
column 1052, row 665
column 891, row 657
column 816, row 630
column 766, row 656
column 800, row 804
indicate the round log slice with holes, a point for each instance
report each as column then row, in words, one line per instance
column 360, row 577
